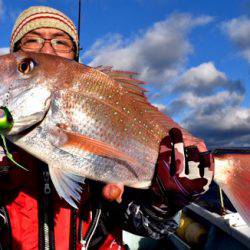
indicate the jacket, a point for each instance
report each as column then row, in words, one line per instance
column 32, row 215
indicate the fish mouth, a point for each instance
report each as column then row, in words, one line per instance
column 25, row 124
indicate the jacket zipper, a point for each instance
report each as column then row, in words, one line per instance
column 73, row 226
column 46, row 222
column 46, row 191
column 85, row 241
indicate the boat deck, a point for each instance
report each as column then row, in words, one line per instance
column 228, row 232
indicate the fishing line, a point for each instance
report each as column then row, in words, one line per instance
column 9, row 155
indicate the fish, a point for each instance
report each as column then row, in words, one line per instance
column 87, row 122
column 232, row 174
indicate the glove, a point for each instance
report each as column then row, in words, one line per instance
column 182, row 173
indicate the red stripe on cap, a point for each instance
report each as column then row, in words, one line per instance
column 65, row 18
column 22, row 24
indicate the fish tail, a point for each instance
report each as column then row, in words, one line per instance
column 232, row 174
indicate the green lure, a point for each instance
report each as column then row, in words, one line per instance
column 6, row 124
column 6, row 120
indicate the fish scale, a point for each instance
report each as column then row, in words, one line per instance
column 102, row 125
column 116, row 94
column 107, row 114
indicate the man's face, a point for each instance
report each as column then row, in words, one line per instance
column 49, row 41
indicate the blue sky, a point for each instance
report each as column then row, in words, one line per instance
column 195, row 55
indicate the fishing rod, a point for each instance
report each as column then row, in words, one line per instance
column 79, row 27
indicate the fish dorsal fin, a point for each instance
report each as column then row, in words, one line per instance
column 127, row 80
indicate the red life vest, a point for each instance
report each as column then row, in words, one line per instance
column 39, row 219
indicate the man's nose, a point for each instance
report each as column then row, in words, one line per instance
column 48, row 49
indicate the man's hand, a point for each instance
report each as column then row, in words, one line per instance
column 182, row 174
column 113, row 192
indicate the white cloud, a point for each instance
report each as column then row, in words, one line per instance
column 223, row 127
column 4, row 51
column 191, row 100
column 238, row 30
column 201, row 79
column 161, row 107
column 157, row 53
column 205, row 100
column 208, row 111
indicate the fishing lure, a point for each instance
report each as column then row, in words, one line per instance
column 6, row 123
column 6, row 120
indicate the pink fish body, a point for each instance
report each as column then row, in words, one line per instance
column 84, row 122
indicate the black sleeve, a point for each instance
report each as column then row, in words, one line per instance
column 144, row 215
column 141, row 212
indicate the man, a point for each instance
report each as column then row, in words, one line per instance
column 32, row 214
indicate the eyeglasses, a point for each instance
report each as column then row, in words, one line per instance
column 33, row 43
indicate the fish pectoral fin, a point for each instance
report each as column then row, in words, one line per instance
column 67, row 185
column 75, row 142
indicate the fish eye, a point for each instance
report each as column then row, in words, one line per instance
column 26, row 66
